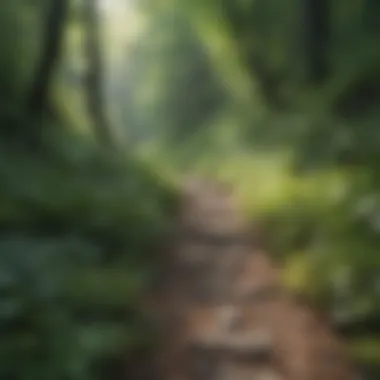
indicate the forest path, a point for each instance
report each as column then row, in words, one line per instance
column 225, row 314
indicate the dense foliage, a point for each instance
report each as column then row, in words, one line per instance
column 78, row 243
column 281, row 98
column 80, row 225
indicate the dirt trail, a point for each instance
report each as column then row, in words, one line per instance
column 224, row 313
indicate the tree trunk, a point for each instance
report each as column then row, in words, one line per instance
column 38, row 97
column 371, row 15
column 94, row 77
column 268, row 82
column 316, row 31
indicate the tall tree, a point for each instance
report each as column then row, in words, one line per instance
column 94, row 76
column 53, row 32
column 245, row 29
column 316, row 29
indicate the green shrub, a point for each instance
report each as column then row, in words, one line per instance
column 79, row 230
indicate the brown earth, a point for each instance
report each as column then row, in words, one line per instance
column 222, row 311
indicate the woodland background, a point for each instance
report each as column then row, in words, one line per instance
column 105, row 104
